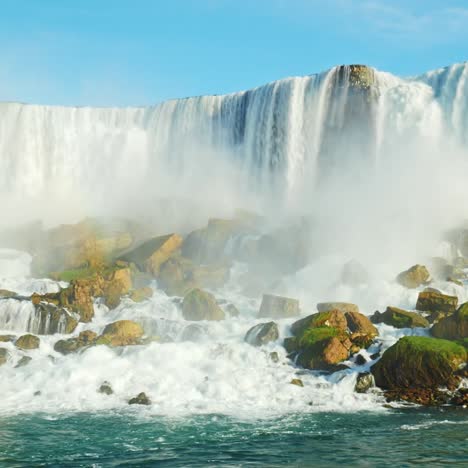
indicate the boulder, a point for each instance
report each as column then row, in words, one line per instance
column 414, row 277
column 28, row 342
column 116, row 284
column 140, row 399
column 24, row 361
column 278, row 307
column 52, row 319
column 361, row 329
column 419, row 364
column 201, row 305
column 7, row 338
column 331, row 318
column 354, row 274
column 453, row 327
column 400, row 318
column 232, row 310
column 274, row 357
column 4, row 355
column 436, row 302
column 141, row 294
column 364, row 382
column 5, row 293
column 83, row 340
column 262, row 334
column 341, row 306
column 150, row 255
column 121, row 333
column 360, row 360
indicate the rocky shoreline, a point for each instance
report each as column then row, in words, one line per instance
column 104, row 265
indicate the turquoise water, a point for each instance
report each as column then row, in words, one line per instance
column 403, row 437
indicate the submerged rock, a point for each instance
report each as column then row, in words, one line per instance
column 24, row 361
column 28, row 342
column 201, row 305
column 232, row 310
column 364, row 382
column 400, row 318
column 121, row 333
column 278, row 307
column 4, row 355
column 414, row 277
column 274, row 357
column 297, row 382
column 453, row 327
column 105, row 389
column 262, row 334
column 140, row 399
column 419, row 364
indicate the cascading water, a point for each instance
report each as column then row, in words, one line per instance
column 290, row 143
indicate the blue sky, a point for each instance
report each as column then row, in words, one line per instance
column 136, row 52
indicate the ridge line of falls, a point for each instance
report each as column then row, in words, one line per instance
column 275, row 142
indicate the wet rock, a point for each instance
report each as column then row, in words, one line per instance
column 340, row 306
column 140, row 399
column 140, row 294
column 361, row 328
column 24, row 361
column 83, row 340
column 4, row 355
column 53, row 319
column 453, row 327
column 4, row 293
column 150, row 255
column 278, row 307
column 201, row 305
column 232, row 310
column 400, row 318
column 414, row 277
column 7, row 338
column 360, row 360
column 193, row 332
column 28, row 342
column 121, row 333
column 419, row 363
column 274, row 357
column 105, row 389
column 436, row 302
column 297, row 382
column 116, row 284
column 456, row 281
column 364, row 382
column 262, row 334
column 354, row 274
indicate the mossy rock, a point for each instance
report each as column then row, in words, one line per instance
column 331, row 318
column 201, row 305
column 7, row 338
column 278, row 307
column 419, row 362
column 454, row 327
column 414, row 277
column 28, row 342
column 433, row 301
column 83, row 340
column 400, row 318
column 121, row 333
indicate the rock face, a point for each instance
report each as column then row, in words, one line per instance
column 419, row 364
column 400, row 318
column 140, row 399
column 436, row 302
column 201, row 305
column 278, row 307
column 262, row 334
column 414, row 277
column 341, row 306
column 83, row 340
column 28, row 342
column 323, row 340
column 121, row 333
column 153, row 253
column 454, row 327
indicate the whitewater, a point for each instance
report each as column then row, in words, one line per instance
column 384, row 177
